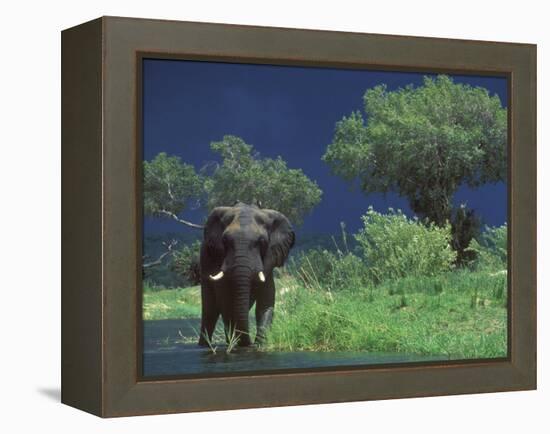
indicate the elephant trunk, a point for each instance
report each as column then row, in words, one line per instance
column 241, row 303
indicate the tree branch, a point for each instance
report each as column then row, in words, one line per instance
column 179, row 220
column 159, row 260
column 170, row 191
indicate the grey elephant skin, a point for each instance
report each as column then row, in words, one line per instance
column 242, row 245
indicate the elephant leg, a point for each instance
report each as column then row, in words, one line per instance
column 208, row 325
column 209, row 316
column 224, row 307
column 265, row 303
column 264, row 319
column 228, row 329
column 252, row 299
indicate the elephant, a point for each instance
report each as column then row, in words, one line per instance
column 242, row 244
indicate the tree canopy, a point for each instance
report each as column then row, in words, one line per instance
column 172, row 186
column 244, row 176
column 423, row 143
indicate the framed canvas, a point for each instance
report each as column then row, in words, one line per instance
column 259, row 216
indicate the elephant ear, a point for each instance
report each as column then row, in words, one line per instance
column 281, row 239
column 213, row 231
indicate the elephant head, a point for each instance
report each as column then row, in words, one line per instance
column 242, row 244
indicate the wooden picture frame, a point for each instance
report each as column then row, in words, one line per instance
column 101, row 215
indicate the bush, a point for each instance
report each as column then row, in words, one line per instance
column 329, row 271
column 491, row 248
column 187, row 262
column 395, row 246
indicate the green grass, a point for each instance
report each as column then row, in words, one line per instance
column 171, row 303
column 460, row 314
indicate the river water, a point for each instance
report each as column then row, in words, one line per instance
column 164, row 355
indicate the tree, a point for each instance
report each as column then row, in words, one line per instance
column 244, row 176
column 423, row 143
column 170, row 187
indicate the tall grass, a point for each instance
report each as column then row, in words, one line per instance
column 427, row 315
column 329, row 270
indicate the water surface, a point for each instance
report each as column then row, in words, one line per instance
column 164, row 356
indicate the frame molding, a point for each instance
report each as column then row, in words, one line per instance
column 101, row 230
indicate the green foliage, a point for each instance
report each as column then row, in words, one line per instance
column 169, row 185
column 423, row 142
column 332, row 267
column 491, row 249
column 166, row 274
column 425, row 315
column 328, row 270
column 394, row 246
column 244, row 176
column 186, row 261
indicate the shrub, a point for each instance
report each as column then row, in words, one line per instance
column 187, row 262
column 491, row 248
column 395, row 246
column 328, row 270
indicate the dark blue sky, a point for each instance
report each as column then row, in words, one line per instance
column 281, row 110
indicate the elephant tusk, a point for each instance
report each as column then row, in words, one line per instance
column 217, row 276
column 261, row 276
